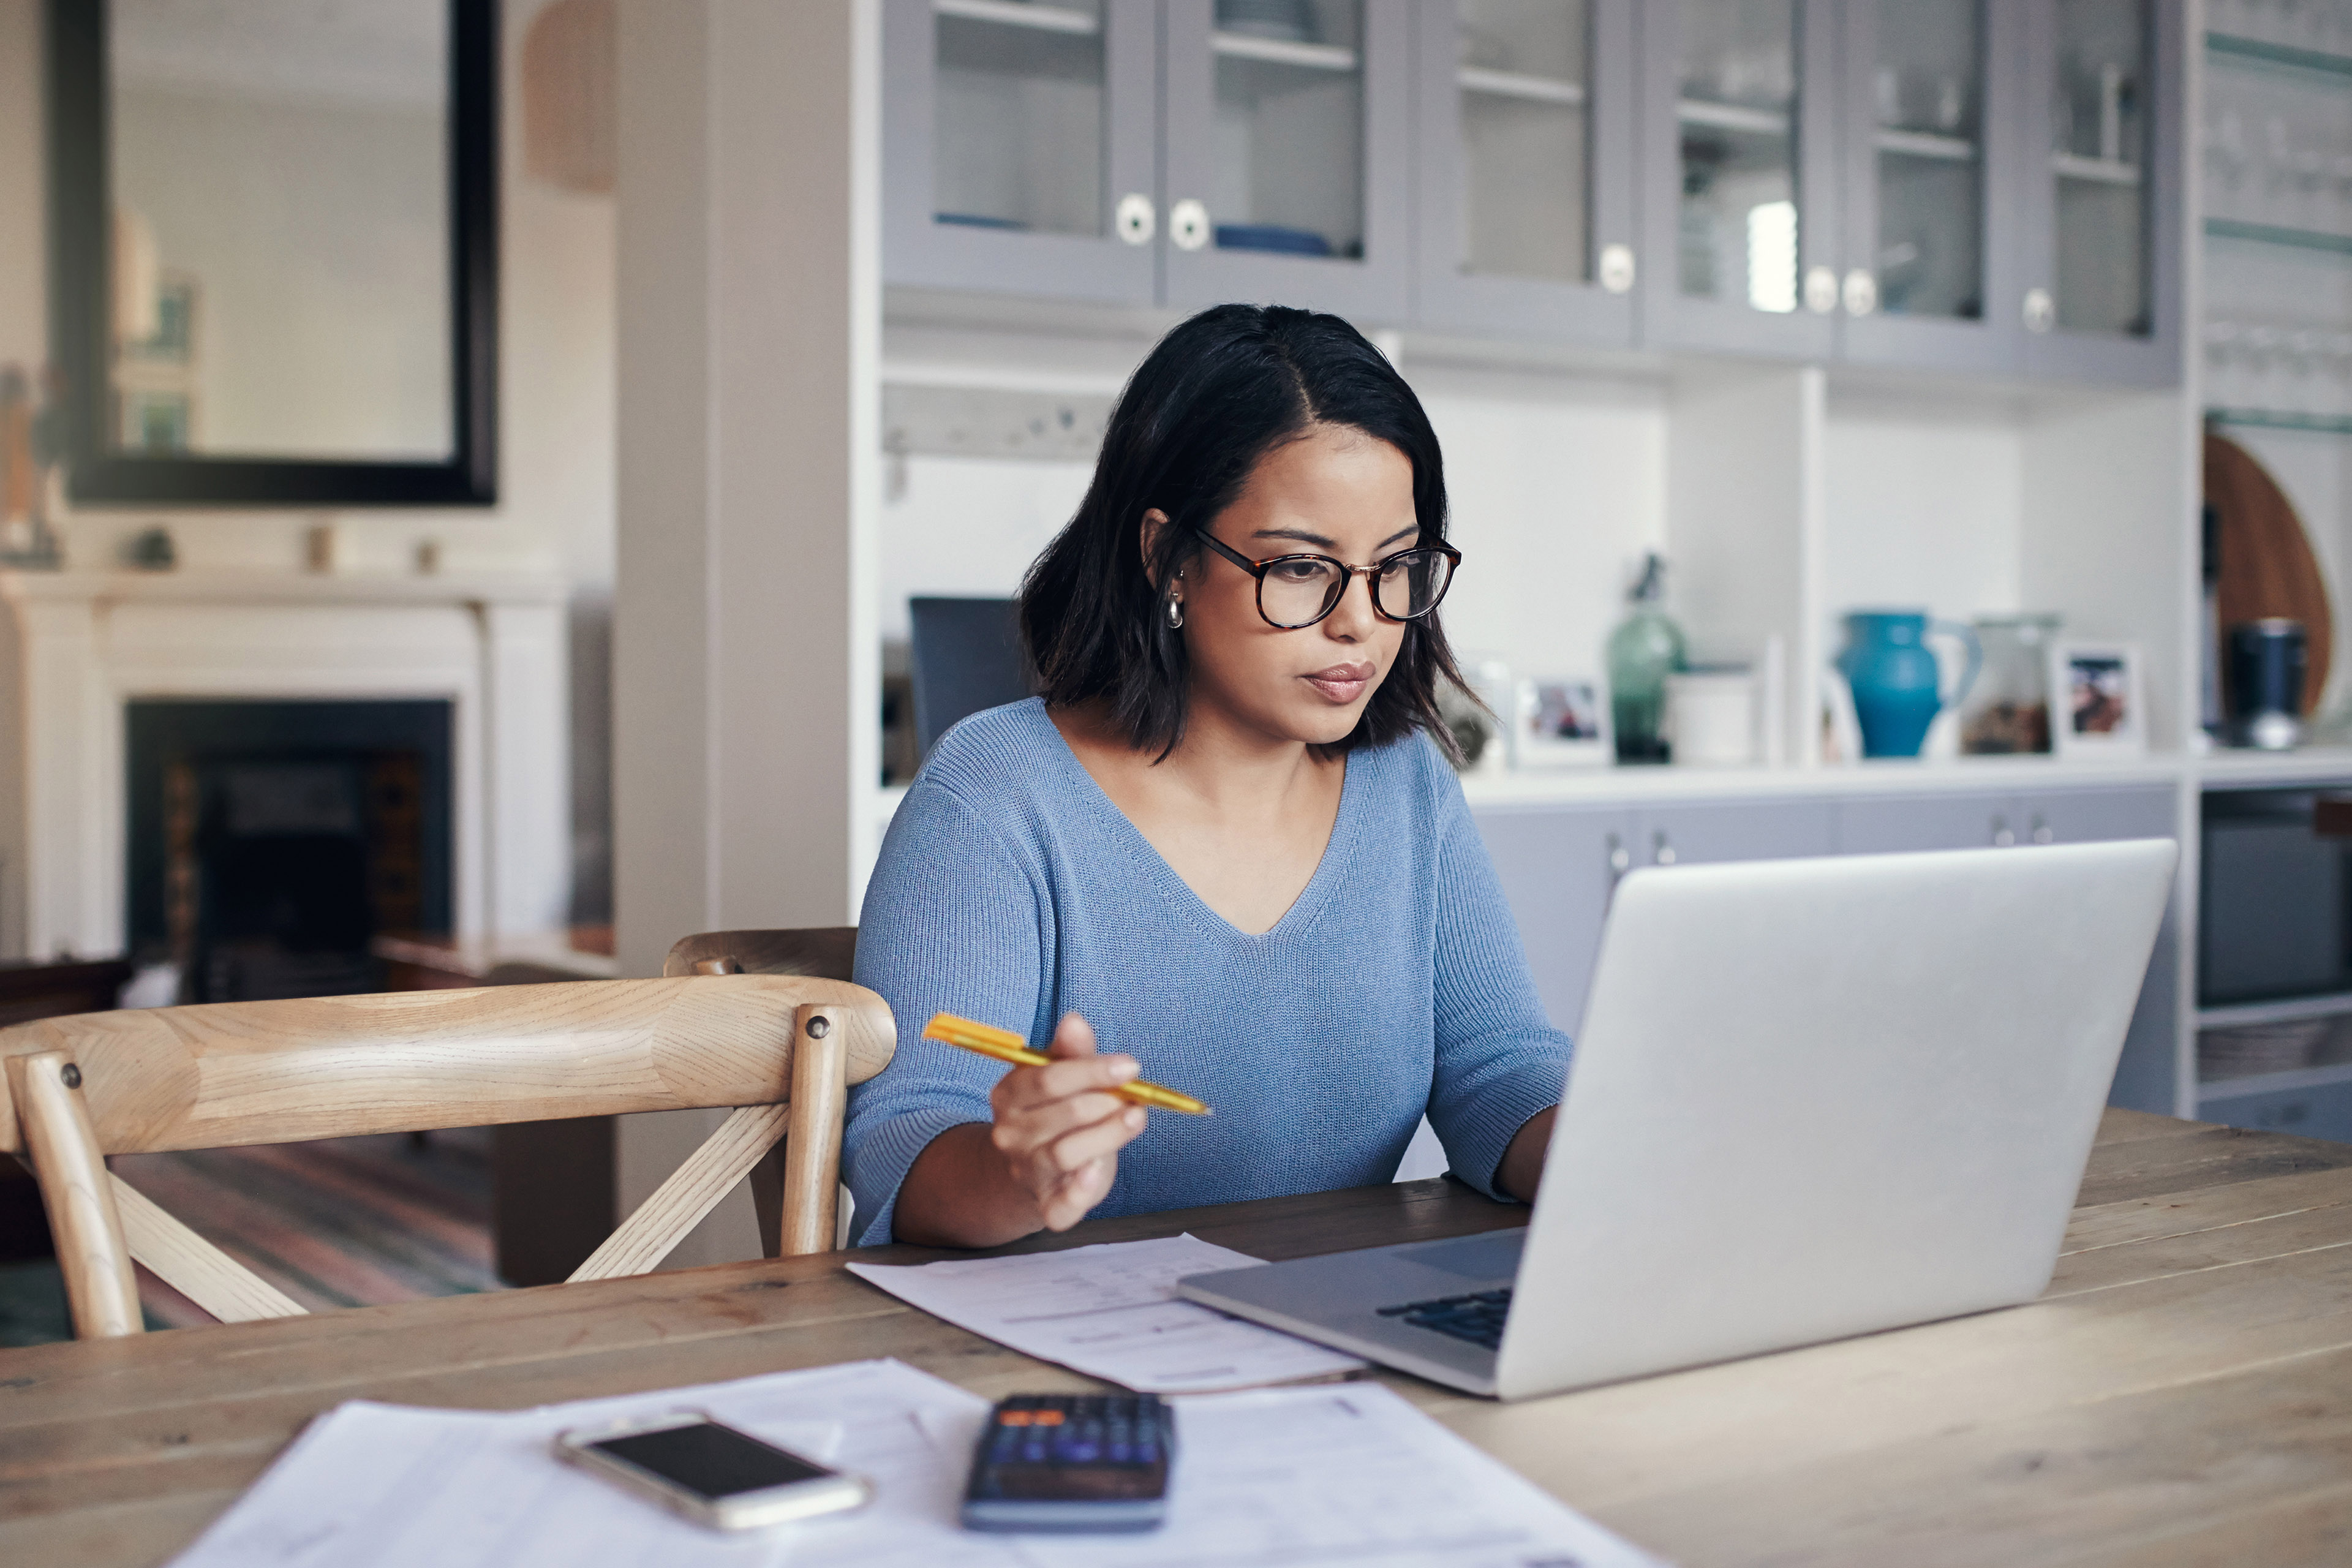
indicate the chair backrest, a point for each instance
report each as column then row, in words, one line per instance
column 963, row 655
column 822, row 953
column 778, row 1050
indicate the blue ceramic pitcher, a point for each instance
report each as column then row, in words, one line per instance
column 1897, row 685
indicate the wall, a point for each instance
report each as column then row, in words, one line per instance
column 555, row 510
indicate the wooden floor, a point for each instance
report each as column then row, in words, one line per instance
column 344, row 1222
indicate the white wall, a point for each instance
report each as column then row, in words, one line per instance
column 1924, row 499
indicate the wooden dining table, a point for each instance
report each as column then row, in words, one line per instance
column 2181, row 1394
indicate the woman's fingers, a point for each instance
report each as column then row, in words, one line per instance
column 1073, row 1152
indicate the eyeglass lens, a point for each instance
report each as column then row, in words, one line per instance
column 1303, row 589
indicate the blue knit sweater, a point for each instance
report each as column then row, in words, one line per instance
column 1011, row 890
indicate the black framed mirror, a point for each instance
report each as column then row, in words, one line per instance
column 273, row 251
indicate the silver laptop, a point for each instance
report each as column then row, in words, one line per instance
column 1811, row 1098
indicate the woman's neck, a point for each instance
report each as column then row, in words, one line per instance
column 1220, row 764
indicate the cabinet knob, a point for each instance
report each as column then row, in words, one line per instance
column 1621, row 860
column 1660, row 852
column 1137, row 218
column 1616, row 267
column 1860, row 292
column 1821, row 290
column 2003, row 834
column 2043, row 833
column 1187, row 224
column 2040, row 311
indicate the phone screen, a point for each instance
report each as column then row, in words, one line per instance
column 710, row 1460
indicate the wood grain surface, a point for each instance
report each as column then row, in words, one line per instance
column 2182, row 1394
column 2267, row 565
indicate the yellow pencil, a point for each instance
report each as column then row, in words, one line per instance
column 1006, row 1047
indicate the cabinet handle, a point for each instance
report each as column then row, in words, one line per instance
column 1660, row 852
column 1616, row 269
column 1621, row 860
column 1187, row 224
column 1821, row 290
column 2003, row 835
column 1860, row 292
column 1137, row 218
column 2041, row 831
column 2040, row 311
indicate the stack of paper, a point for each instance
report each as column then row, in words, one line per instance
column 1335, row 1474
column 1111, row 1311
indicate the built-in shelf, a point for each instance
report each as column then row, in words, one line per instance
column 2280, row 419
column 2222, row 1088
column 2231, row 45
column 1019, row 14
column 2294, row 1009
column 2094, row 171
column 2275, row 234
column 1513, row 84
column 1283, row 52
column 1732, row 117
column 1927, row 145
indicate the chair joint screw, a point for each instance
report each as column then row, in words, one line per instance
column 819, row 1026
column 71, row 1075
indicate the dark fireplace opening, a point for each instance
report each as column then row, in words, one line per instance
column 271, row 842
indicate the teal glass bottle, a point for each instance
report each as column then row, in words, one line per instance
column 1646, row 649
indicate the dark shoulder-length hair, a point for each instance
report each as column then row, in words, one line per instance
column 1215, row 395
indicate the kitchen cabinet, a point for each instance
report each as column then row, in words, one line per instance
column 1738, row 170
column 1289, row 151
column 1525, row 169
column 1931, row 133
column 1020, row 147
column 2102, row 195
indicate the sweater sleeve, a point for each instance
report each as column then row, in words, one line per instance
column 952, row 924
column 1500, row 1060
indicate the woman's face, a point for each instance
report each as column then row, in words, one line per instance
column 1335, row 491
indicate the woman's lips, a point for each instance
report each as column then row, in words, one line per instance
column 1342, row 682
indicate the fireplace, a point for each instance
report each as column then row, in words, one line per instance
column 270, row 842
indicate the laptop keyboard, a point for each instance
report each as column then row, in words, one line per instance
column 1478, row 1317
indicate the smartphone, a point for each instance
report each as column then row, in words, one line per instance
column 1072, row 1463
column 710, row 1473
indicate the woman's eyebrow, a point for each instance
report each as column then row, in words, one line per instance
column 1323, row 542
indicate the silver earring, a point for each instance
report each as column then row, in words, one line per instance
column 1175, row 614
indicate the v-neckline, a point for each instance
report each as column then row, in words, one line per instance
column 1181, row 893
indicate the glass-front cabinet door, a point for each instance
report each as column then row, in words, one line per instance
column 1287, row 145
column 1019, row 147
column 2102, row 296
column 1524, row 219
column 1740, row 169
column 1933, row 257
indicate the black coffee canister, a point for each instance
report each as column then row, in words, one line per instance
column 2268, row 663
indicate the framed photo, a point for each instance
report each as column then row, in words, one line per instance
column 1563, row 721
column 2101, row 704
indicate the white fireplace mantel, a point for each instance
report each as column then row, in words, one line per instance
column 81, row 645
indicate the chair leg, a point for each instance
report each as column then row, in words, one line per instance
column 76, row 1190
column 812, row 1135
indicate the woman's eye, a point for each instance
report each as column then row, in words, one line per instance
column 1297, row 570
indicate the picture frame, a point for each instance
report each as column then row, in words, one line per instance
column 2099, row 700
column 1562, row 721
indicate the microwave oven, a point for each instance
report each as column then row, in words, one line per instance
column 2272, row 920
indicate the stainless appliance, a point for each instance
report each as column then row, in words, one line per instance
column 2273, row 922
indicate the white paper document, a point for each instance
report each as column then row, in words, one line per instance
column 1335, row 1474
column 1111, row 1311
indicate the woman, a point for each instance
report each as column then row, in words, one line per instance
column 1221, row 845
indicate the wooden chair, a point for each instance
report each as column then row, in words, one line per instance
column 779, row 1051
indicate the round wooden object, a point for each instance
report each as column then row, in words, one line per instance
column 2267, row 567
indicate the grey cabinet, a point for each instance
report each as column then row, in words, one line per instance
column 1932, row 132
column 1524, row 169
column 2147, row 1076
column 1289, row 158
column 2102, row 190
column 1739, row 175
column 1020, row 147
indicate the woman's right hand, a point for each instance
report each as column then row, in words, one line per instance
column 1059, row 1129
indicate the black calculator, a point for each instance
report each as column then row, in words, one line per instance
column 1073, row 1463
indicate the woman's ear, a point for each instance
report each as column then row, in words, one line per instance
column 1148, row 538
